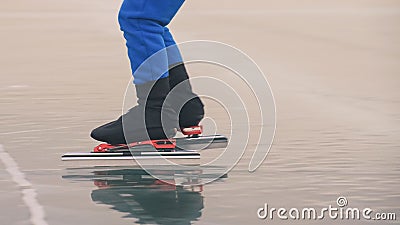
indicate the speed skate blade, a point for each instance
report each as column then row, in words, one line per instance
column 201, row 142
column 128, row 156
column 187, row 150
column 123, row 158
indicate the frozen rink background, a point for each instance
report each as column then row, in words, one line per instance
column 333, row 66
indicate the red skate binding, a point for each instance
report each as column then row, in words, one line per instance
column 193, row 131
column 161, row 145
column 164, row 144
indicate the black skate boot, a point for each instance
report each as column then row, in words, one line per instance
column 142, row 122
column 186, row 103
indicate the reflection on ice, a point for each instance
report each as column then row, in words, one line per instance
column 176, row 199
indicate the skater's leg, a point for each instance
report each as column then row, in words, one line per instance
column 183, row 99
column 143, row 22
column 174, row 55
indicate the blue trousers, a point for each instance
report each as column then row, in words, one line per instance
column 144, row 25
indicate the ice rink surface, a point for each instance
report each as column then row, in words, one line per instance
column 333, row 67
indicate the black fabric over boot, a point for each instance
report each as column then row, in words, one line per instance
column 144, row 121
column 182, row 99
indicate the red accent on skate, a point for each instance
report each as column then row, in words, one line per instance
column 157, row 144
column 193, row 130
column 103, row 147
column 102, row 184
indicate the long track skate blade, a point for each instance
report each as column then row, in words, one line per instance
column 128, row 156
column 201, row 142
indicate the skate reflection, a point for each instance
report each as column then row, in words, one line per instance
column 176, row 199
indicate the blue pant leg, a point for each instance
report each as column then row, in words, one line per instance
column 143, row 22
column 173, row 53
